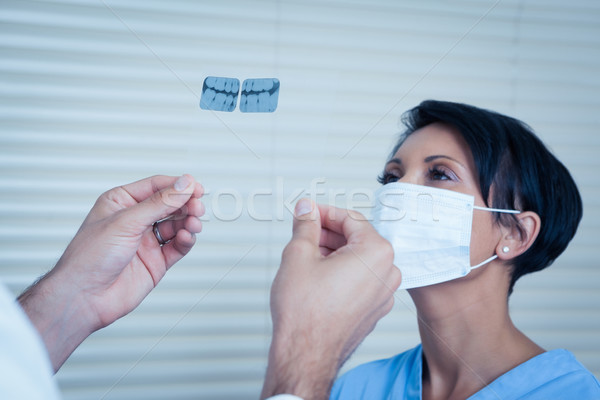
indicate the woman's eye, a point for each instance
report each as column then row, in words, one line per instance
column 438, row 174
column 387, row 178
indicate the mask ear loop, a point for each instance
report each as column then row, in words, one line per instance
column 500, row 210
column 492, row 258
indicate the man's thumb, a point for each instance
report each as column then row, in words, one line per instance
column 307, row 221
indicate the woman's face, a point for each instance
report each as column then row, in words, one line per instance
column 438, row 156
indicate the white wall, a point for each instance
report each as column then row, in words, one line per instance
column 95, row 94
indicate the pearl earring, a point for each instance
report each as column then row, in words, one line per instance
column 505, row 249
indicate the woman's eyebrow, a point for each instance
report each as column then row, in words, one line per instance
column 394, row 161
column 435, row 157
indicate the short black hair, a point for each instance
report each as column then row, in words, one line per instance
column 523, row 173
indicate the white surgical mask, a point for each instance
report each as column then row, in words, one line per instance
column 429, row 229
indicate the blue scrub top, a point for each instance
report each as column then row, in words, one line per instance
column 555, row 374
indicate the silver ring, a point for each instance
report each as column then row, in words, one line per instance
column 159, row 238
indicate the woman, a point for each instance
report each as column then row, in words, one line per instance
column 452, row 155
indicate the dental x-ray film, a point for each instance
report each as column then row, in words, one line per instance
column 259, row 95
column 219, row 94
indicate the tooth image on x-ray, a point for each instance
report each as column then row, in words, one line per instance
column 259, row 95
column 219, row 94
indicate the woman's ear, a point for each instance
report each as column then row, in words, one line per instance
column 518, row 238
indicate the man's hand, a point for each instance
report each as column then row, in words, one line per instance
column 114, row 260
column 336, row 280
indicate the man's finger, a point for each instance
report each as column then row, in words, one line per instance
column 169, row 228
column 181, row 244
column 331, row 239
column 163, row 203
column 143, row 189
column 342, row 221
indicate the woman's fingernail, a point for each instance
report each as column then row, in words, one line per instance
column 303, row 207
column 183, row 182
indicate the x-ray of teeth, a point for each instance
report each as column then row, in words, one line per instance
column 259, row 95
column 219, row 94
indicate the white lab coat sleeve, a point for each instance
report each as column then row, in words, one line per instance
column 25, row 369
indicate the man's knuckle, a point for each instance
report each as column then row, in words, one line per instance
column 355, row 215
column 395, row 278
column 386, row 251
column 296, row 247
column 291, row 249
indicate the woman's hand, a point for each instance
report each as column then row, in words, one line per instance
column 114, row 260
